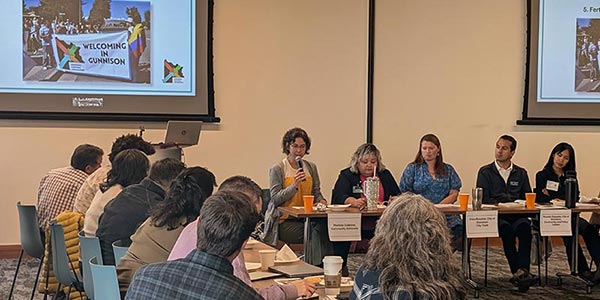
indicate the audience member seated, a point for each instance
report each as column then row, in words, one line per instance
column 124, row 214
column 154, row 239
column 59, row 187
column 435, row 180
column 188, row 239
column 288, row 182
column 348, row 189
column 88, row 189
column 550, row 185
column 502, row 181
column 410, row 256
column 129, row 167
column 226, row 220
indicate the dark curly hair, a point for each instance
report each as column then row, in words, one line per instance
column 130, row 141
column 291, row 135
column 186, row 196
column 129, row 167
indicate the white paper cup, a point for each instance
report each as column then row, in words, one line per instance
column 267, row 258
column 332, row 265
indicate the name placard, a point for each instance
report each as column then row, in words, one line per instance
column 555, row 222
column 482, row 223
column 344, row 227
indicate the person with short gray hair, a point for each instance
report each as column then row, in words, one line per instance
column 226, row 220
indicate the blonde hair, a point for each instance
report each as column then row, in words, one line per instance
column 363, row 150
column 411, row 249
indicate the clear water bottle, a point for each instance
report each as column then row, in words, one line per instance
column 476, row 198
column 570, row 189
column 371, row 190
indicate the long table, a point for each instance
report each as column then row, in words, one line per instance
column 449, row 210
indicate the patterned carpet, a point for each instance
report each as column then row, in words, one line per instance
column 498, row 275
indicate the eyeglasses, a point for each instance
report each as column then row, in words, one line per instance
column 303, row 146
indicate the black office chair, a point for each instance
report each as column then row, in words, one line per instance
column 31, row 243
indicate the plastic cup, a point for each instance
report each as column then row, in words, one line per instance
column 267, row 258
column 332, row 265
column 308, row 203
column 530, row 200
column 463, row 200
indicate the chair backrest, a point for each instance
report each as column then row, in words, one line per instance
column 31, row 240
column 119, row 251
column 266, row 198
column 88, row 247
column 106, row 286
column 60, row 260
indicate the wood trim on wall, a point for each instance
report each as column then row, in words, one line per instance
column 10, row 251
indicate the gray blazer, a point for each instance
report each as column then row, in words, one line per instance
column 279, row 195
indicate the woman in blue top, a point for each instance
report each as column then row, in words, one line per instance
column 435, row 180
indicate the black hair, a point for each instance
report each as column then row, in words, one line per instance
column 242, row 184
column 512, row 140
column 130, row 141
column 558, row 149
column 129, row 167
column 85, row 155
column 226, row 221
column 184, row 199
column 291, row 135
column 165, row 170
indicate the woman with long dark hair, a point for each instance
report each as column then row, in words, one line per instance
column 128, row 167
column 550, row 185
column 154, row 239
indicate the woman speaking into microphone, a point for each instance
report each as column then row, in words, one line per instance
column 289, row 180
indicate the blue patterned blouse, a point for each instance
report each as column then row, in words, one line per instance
column 416, row 179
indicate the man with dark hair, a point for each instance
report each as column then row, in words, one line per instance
column 187, row 242
column 227, row 219
column 503, row 181
column 124, row 214
column 58, row 188
column 92, row 184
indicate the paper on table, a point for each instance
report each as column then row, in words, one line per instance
column 285, row 254
column 587, row 204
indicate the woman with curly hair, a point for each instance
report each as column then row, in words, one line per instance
column 410, row 256
column 154, row 239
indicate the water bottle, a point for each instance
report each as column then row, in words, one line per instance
column 570, row 189
column 477, row 198
column 371, row 190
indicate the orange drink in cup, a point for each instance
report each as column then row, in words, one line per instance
column 530, row 200
column 463, row 200
column 308, row 202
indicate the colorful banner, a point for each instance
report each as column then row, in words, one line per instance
column 100, row 54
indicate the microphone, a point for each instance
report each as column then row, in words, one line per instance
column 300, row 166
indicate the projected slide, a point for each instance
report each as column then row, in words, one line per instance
column 118, row 47
column 569, row 44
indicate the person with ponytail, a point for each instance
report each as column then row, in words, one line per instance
column 154, row 239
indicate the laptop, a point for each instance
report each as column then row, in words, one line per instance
column 183, row 133
column 300, row 269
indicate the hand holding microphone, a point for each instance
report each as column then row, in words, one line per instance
column 300, row 175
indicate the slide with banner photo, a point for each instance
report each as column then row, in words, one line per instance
column 120, row 46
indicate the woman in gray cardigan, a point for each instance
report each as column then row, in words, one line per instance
column 289, row 180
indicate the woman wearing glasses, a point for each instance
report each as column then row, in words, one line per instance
column 289, row 180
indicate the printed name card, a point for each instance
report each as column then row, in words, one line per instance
column 555, row 222
column 482, row 223
column 344, row 227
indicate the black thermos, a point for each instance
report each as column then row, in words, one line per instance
column 570, row 189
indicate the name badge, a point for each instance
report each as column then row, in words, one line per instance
column 514, row 183
column 357, row 189
column 552, row 185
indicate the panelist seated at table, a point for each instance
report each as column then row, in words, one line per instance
column 550, row 185
column 187, row 242
column 503, row 181
column 349, row 189
column 435, row 180
column 289, row 182
column 410, row 256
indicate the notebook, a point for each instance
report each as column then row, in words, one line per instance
column 183, row 133
column 299, row 269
